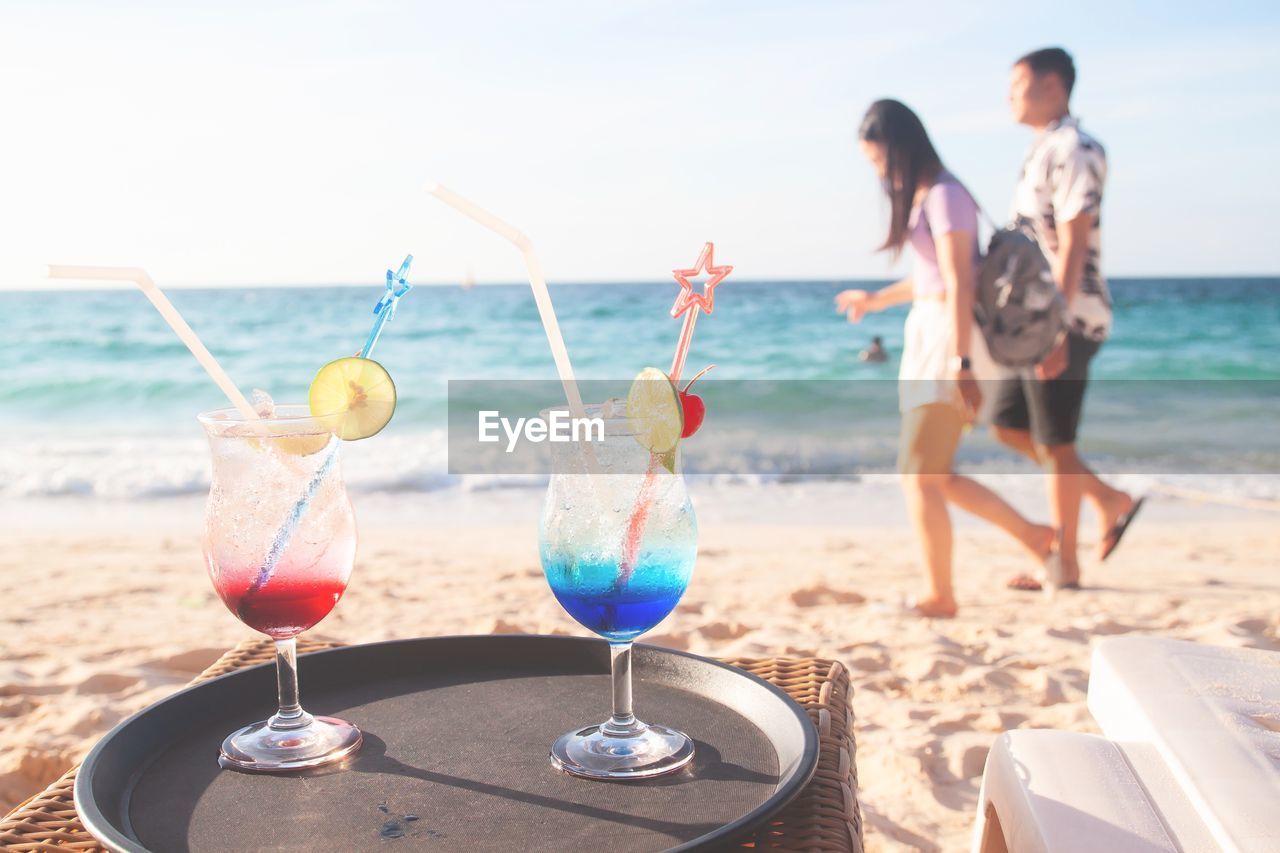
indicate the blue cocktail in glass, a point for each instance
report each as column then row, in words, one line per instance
column 618, row 540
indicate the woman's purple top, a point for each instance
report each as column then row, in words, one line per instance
column 946, row 207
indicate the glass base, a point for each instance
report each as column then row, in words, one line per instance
column 645, row 752
column 260, row 748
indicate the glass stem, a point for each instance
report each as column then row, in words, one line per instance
column 290, row 715
column 623, row 723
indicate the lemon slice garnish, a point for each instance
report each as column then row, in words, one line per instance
column 298, row 443
column 653, row 410
column 291, row 439
column 359, row 395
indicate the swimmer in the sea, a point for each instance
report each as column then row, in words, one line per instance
column 875, row 353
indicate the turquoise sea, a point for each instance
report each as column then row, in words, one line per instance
column 99, row 397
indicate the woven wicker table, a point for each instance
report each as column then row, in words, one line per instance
column 824, row 817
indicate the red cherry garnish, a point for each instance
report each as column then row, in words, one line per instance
column 694, row 412
column 694, row 409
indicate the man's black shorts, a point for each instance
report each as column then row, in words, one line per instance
column 1049, row 410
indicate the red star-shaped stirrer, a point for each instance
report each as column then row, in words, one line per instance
column 706, row 299
column 688, row 300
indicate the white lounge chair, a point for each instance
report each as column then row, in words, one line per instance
column 1190, row 761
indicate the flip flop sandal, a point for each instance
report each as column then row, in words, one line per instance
column 1117, row 531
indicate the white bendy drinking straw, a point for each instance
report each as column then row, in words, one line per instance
column 139, row 276
column 540, row 294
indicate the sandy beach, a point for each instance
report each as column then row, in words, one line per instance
column 104, row 618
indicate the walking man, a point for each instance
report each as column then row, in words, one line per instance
column 1058, row 200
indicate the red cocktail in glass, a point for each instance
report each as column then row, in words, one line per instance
column 280, row 541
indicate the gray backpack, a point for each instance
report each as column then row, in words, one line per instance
column 1017, row 305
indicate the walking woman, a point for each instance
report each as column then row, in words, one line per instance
column 932, row 213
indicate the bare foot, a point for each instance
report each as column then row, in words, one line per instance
column 936, row 608
column 1027, row 583
column 1041, row 541
column 1040, row 544
column 1110, row 511
column 1024, row 583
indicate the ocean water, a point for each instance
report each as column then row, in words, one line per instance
column 99, row 398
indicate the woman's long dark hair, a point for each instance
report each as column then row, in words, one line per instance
column 909, row 159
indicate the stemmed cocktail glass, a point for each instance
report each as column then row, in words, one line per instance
column 280, row 533
column 618, row 583
column 618, row 536
column 280, row 541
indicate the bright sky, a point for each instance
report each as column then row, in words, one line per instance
column 258, row 143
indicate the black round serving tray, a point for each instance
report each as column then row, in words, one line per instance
column 456, row 734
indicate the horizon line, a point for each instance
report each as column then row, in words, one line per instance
column 333, row 285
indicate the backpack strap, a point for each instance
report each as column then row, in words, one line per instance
column 981, row 210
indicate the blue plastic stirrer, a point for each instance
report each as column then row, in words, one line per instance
column 386, row 307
